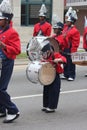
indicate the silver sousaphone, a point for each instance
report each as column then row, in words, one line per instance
column 34, row 46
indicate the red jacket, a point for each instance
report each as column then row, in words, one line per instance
column 73, row 37
column 11, row 39
column 58, row 66
column 45, row 28
column 63, row 42
column 85, row 38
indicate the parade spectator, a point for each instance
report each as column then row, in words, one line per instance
column 9, row 48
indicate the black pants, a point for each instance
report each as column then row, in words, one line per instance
column 69, row 67
column 5, row 100
column 51, row 94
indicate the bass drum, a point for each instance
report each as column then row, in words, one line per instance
column 33, row 47
column 32, row 71
column 40, row 72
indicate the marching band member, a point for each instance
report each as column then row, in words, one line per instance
column 9, row 48
column 85, row 37
column 58, row 28
column 73, row 35
column 51, row 92
column 42, row 28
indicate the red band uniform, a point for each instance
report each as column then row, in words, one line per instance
column 85, row 39
column 9, row 48
column 42, row 28
column 71, row 32
column 51, row 92
column 62, row 41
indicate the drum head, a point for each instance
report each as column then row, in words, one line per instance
column 47, row 74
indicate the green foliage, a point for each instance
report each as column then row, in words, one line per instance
column 23, row 55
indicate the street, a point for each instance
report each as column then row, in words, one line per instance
column 71, row 113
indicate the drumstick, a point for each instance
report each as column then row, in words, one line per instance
column 51, row 61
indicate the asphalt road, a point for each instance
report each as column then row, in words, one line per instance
column 71, row 113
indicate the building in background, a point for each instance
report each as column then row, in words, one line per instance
column 26, row 15
column 81, row 7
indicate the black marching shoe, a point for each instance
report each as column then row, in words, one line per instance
column 48, row 110
column 85, row 75
column 11, row 117
column 44, row 109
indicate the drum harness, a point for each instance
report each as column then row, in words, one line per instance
column 40, row 32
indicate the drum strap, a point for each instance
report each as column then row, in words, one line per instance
column 40, row 32
column 66, row 53
column 53, row 57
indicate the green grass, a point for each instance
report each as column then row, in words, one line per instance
column 23, row 55
column 82, row 50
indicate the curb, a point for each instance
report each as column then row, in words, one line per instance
column 21, row 61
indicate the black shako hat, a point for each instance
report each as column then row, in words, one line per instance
column 58, row 25
column 46, row 48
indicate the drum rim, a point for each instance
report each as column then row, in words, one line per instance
column 28, row 76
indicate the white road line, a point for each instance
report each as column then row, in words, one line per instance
column 27, row 96
column 74, row 91
column 39, row 95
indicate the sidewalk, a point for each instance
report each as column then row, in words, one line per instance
column 22, row 61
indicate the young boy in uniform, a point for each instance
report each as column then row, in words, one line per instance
column 51, row 92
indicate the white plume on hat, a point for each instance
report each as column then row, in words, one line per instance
column 43, row 9
column 55, row 19
column 85, row 24
column 68, row 13
column 5, row 7
column 74, row 14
